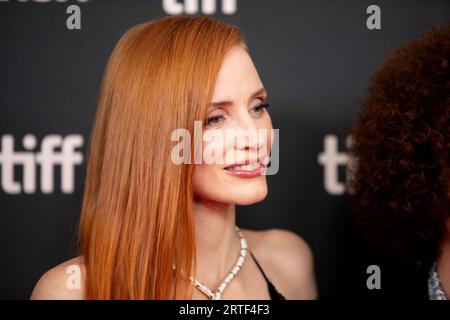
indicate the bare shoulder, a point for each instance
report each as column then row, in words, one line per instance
column 63, row 282
column 287, row 260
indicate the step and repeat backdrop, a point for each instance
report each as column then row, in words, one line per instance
column 315, row 58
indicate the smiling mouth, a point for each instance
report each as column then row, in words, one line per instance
column 250, row 170
column 244, row 167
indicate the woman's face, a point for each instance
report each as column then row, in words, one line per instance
column 238, row 115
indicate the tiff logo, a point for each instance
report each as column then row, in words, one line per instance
column 174, row 7
column 331, row 159
column 47, row 158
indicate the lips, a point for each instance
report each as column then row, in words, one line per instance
column 246, row 170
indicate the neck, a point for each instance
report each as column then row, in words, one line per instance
column 443, row 262
column 217, row 242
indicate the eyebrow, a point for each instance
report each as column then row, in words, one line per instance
column 227, row 103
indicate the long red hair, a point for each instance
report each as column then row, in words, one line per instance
column 137, row 218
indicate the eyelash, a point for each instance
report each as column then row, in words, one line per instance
column 264, row 105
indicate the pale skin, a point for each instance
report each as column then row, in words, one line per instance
column 284, row 256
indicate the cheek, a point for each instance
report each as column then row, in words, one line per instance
column 203, row 177
column 213, row 151
column 266, row 125
column 200, row 176
column 214, row 146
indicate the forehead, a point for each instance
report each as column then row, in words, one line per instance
column 238, row 77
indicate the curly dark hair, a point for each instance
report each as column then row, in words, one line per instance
column 400, row 178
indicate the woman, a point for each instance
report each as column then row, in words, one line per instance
column 401, row 177
column 147, row 222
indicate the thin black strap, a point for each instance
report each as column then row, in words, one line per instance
column 274, row 294
column 259, row 267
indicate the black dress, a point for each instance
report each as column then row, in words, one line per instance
column 274, row 294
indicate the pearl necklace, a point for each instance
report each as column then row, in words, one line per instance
column 234, row 271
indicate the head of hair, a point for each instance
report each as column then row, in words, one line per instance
column 137, row 219
column 400, row 179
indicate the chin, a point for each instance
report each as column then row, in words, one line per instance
column 232, row 190
column 248, row 196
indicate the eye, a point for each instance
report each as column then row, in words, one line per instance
column 260, row 108
column 214, row 120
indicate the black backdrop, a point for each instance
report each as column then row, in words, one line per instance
column 314, row 57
